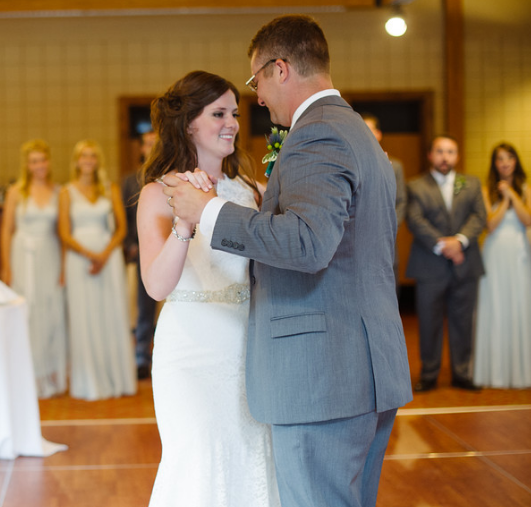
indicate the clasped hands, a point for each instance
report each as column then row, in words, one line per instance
column 506, row 190
column 97, row 261
column 452, row 249
column 188, row 193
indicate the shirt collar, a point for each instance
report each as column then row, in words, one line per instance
column 310, row 100
column 441, row 179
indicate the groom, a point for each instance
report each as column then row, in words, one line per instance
column 326, row 362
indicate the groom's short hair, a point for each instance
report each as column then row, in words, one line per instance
column 297, row 39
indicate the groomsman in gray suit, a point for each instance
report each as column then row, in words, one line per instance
column 326, row 363
column 446, row 215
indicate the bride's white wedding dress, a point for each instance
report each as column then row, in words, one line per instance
column 214, row 454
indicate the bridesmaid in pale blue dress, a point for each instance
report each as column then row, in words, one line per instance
column 32, row 264
column 92, row 226
column 503, row 330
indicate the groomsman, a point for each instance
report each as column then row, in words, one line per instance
column 373, row 123
column 446, row 215
column 146, row 306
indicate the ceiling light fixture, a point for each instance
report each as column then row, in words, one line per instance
column 396, row 24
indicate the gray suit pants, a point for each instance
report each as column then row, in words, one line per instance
column 332, row 463
column 456, row 299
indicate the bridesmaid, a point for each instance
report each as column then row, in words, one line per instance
column 32, row 264
column 503, row 329
column 92, row 226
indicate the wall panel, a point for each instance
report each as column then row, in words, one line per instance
column 60, row 79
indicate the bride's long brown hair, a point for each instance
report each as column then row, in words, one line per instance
column 171, row 115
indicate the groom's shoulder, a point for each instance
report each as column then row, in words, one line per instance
column 328, row 112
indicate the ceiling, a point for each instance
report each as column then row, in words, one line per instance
column 507, row 12
column 188, row 5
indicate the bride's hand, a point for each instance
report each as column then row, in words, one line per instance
column 199, row 179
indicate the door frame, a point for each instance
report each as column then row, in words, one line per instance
column 129, row 147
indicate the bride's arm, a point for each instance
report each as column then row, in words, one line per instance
column 162, row 254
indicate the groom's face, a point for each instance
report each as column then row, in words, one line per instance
column 267, row 91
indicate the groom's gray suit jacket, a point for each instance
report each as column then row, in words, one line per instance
column 325, row 336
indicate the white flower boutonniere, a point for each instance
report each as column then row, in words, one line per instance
column 275, row 140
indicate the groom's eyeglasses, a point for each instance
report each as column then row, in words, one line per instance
column 251, row 83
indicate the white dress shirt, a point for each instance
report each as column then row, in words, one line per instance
column 446, row 185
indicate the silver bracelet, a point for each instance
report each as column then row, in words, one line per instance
column 182, row 238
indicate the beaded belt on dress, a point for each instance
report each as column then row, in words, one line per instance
column 235, row 293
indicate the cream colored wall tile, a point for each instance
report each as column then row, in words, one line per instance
column 84, row 65
column 12, row 56
column 499, row 58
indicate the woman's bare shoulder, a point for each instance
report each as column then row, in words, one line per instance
column 153, row 200
column 151, row 191
column 14, row 193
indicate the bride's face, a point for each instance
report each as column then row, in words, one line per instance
column 214, row 130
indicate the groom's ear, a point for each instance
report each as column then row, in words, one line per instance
column 284, row 70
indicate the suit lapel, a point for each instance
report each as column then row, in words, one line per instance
column 436, row 194
column 461, row 195
column 458, row 202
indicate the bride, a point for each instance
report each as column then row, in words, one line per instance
column 213, row 452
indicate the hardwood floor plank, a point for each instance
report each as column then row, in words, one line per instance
column 490, row 431
column 86, row 488
column 65, row 407
column 448, row 448
column 415, row 434
column 458, row 482
column 519, row 466
column 100, row 445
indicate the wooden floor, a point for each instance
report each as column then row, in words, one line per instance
column 448, row 448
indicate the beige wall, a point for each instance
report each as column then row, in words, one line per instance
column 497, row 80
column 60, row 77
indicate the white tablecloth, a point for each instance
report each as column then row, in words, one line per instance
column 20, row 430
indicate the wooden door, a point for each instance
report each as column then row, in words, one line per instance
column 134, row 120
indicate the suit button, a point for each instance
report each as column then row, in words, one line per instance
column 229, row 244
column 224, row 242
column 253, row 280
column 241, row 248
column 236, row 245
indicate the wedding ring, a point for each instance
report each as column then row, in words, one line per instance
column 168, row 201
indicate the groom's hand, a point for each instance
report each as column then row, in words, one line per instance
column 189, row 194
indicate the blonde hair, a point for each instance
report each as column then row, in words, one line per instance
column 25, row 176
column 100, row 175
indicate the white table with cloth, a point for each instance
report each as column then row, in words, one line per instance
column 20, row 429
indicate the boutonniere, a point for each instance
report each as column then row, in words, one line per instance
column 459, row 183
column 275, row 140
